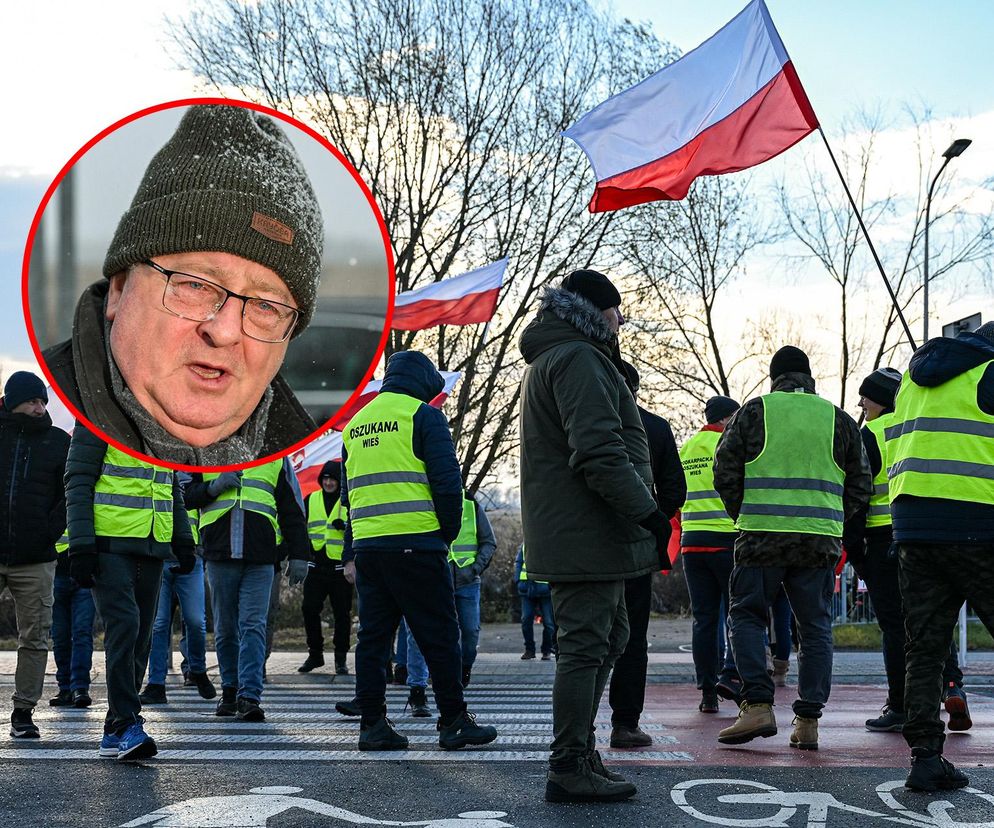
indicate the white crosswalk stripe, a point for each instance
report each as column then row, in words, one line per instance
column 302, row 725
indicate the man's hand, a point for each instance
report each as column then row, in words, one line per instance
column 186, row 559
column 660, row 527
column 338, row 524
column 350, row 572
column 225, row 480
column 83, row 567
column 296, row 571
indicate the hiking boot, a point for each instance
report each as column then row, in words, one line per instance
column 205, row 687
column 709, row 702
column 228, row 706
column 754, row 719
column 889, row 721
column 931, row 772
column 313, row 660
column 463, row 730
column 805, row 735
column 349, row 708
column 153, row 694
column 729, row 690
column 418, row 702
column 954, row 700
column 248, row 710
column 81, row 699
column 528, row 655
column 597, row 766
column 629, row 737
column 467, row 674
column 582, row 784
column 381, row 736
column 61, row 699
column 136, row 744
column 780, row 668
column 399, row 675
column 21, row 725
column 341, row 665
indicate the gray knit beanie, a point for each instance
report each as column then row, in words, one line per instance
column 227, row 181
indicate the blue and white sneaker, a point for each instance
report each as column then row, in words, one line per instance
column 135, row 744
column 110, row 745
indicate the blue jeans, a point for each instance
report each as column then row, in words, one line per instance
column 707, row 576
column 782, row 617
column 530, row 607
column 190, row 591
column 240, row 600
column 400, row 657
column 72, row 634
column 417, row 669
column 468, row 613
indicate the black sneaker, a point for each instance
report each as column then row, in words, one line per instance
column 399, row 675
column 729, row 690
column 528, row 655
column 931, row 772
column 889, row 721
column 467, row 674
column 228, row 706
column 709, row 702
column 349, row 708
column 205, row 687
column 418, row 702
column 341, row 665
column 954, row 700
column 21, row 726
column 381, row 736
column 313, row 660
column 153, row 694
column 462, row 731
column 61, row 699
column 81, row 699
column 249, row 711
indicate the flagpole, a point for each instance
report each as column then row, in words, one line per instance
column 866, row 235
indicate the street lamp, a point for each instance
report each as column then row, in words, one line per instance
column 956, row 148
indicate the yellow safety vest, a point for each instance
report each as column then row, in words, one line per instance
column 319, row 527
column 464, row 548
column 703, row 511
column 256, row 494
column 879, row 512
column 132, row 499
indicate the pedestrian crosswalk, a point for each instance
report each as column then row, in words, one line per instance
column 302, row 725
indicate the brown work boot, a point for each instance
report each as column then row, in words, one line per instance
column 805, row 735
column 629, row 737
column 755, row 719
column 780, row 668
column 582, row 784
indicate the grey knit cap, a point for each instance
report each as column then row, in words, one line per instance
column 227, row 181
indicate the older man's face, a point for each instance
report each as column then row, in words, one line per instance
column 200, row 380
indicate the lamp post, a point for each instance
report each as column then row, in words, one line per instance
column 956, row 148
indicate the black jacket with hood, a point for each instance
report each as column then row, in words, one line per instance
column 935, row 519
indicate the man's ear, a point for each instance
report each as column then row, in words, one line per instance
column 114, row 294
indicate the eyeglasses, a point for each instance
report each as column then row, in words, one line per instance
column 200, row 300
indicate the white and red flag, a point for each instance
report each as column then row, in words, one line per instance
column 462, row 300
column 733, row 102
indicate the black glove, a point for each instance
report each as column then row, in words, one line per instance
column 187, row 560
column 225, row 480
column 661, row 529
column 83, row 566
column 338, row 524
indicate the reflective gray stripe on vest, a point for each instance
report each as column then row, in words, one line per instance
column 782, row 510
column 707, row 494
column 811, row 484
column 136, row 472
column 375, row 478
column 950, row 425
column 336, row 542
column 880, row 488
column 392, row 508
column 464, row 547
column 131, row 502
column 687, row 517
column 258, row 484
column 881, row 509
column 247, row 505
column 960, row 468
column 316, row 524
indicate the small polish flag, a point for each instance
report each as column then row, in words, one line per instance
column 461, row 300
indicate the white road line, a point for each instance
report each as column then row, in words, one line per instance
column 345, row 738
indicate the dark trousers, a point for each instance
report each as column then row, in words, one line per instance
column 707, row 575
column 126, row 591
column 327, row 582
column 881, row 572
column 530, row 607
column 627, row 691
column 72, row 634
column 417, row 586
column 935, row 581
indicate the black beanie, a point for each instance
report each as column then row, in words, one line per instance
column 22, row 386
column 789, row 359
column 331, row 469
column 986, row 331
column 717, row 408
column 227, row 181
column 631, row 375
column 881, row 386
column 593, row 286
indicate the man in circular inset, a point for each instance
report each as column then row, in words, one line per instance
column 211, row 272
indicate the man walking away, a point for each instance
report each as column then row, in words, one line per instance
column 536, row 599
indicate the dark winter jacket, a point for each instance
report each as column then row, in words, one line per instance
column 81, row 369
column 586, row 473
column 250, row 537
column 486, row 544
column 669, row 484
column 84, row 467
column 32, row 466
column 936, row 519
column 743, row 441
column 411, row 373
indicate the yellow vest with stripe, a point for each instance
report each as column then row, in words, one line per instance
column 464, row 548
column 62, row 544
column 319, row 528
column 387, row 483
column 132, row 499
column 703, row 510
column 794, row 485
column 524, row 571
column 256, row 494
column 940, row 443
column 879, row 513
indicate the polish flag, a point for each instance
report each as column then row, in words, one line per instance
column 733, row 102
column 461, row 300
